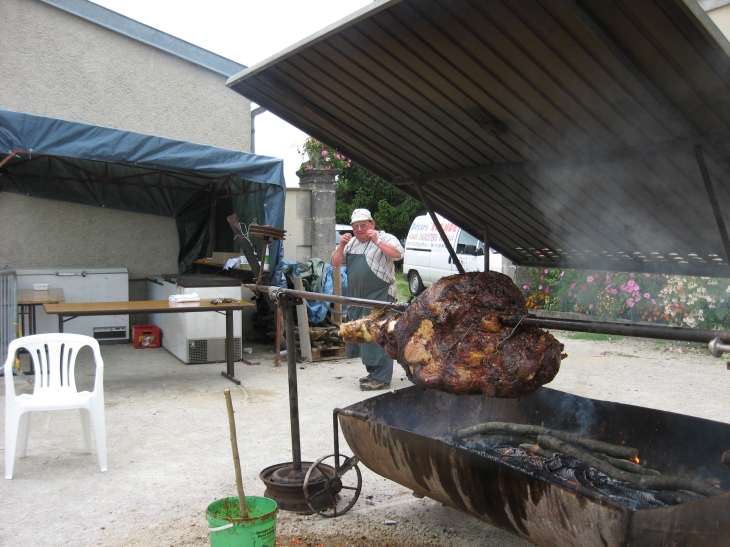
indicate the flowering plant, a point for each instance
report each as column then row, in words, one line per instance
column 317, row 155
column 675, row 300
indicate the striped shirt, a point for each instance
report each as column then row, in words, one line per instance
column 381, row 265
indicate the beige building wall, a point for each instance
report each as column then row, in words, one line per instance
column 58, row 65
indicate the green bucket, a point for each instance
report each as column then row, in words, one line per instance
column 228, row 528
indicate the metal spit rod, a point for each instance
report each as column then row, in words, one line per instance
column 361, row 302
column 679, row 334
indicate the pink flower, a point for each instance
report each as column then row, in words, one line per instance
column 614, row 291
column 590, row 306
column 547, row 290
column 337, row 156
column 542, row 277
column 562, row 274
column 637, row 297
column 572, row 286
column 544, row 271
column 328, row 167
column 647, row 295
column 540, row 287
column 653, row 301
column 631, row 275
column 646, row 275
column 324, row 152
column 589, row 279
column 309, row 167
column 525, row 287
column 630, row 302
column 583, row 288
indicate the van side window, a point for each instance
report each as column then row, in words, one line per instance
column 467, row 239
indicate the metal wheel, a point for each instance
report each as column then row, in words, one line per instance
column 333, row 493
column 415, row 285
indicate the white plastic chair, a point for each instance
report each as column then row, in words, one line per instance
column 54, row 360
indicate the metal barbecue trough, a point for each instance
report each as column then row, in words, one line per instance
column 407, row 437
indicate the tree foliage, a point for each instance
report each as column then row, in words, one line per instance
column 392, row 210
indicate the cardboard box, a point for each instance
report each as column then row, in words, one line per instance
column 222, row 258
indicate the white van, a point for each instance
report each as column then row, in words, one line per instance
column 427, row 260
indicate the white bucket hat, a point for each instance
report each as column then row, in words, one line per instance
column 358, row 215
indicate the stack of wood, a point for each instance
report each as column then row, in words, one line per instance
column 317, row 343
column 326, row 343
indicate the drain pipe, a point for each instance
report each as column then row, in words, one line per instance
column 255, row 112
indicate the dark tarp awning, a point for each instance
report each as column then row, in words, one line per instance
column 575, row 131
column 57, row 159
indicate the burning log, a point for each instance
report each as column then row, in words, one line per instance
column 609, row 449
column 494, row 438
column 627, row 465
column 535, row 449
column 661, row 482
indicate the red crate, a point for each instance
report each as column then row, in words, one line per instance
column 146, row 336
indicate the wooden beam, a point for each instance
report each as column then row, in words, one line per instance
column 305, row 345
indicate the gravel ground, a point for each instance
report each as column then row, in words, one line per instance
column 170, row 456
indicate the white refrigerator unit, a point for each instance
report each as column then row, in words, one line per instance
column 199, row 337
column 83, row 285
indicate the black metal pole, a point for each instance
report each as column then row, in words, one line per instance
column 361, row 302
column 599, row 327
column 620, row 329
column 291, row 358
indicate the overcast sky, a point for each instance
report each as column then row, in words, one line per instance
column 245, row 31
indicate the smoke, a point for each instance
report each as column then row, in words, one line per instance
column 578, row 412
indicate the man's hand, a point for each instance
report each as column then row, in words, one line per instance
column 338, row 257
column 372, row 235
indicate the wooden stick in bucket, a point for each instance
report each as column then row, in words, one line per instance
column 236, row 459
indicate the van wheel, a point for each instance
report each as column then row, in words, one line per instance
column 415, row 285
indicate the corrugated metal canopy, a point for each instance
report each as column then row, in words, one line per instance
column 574, row 131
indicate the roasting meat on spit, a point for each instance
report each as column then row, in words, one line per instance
column 459, row 337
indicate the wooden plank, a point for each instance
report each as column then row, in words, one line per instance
column 303, row 321
column 337, row 290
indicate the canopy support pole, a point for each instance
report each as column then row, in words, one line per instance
column 713, row 201
column 436, row 223
column 213, row 213
column 486, row 248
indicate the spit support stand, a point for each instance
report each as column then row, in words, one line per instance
column 341, row 489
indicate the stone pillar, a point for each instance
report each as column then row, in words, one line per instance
column 322, row 184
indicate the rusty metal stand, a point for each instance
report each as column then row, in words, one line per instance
column 285, row 481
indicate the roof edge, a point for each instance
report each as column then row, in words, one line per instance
column 151, row 36
column 353, row 18
column 708, row 24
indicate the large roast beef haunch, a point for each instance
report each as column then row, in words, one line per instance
column 454, row 338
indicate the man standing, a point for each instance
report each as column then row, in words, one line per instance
column 370, row 259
